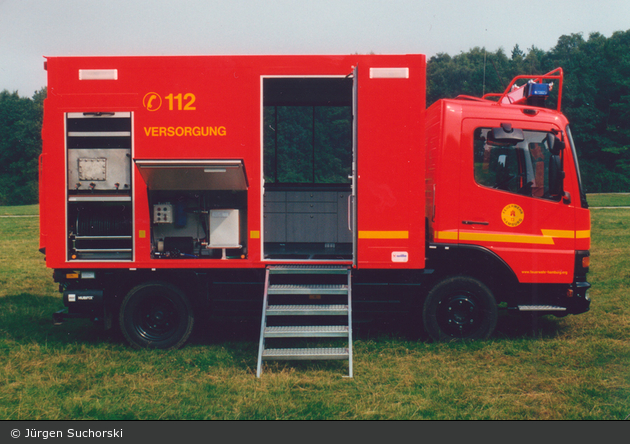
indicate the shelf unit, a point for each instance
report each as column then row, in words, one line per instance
column 99, row 198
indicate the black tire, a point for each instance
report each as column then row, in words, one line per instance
column 460, row 308
column 156, row 315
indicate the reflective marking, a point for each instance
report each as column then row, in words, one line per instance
column 98, row 74
column 513, row 238
column 389, row 73
column 446, row 235
column 383, row 234
column 563, row 234
column 546, row 238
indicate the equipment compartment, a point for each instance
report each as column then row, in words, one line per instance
column 205, row 224
column 99, row 208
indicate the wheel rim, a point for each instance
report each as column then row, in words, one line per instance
column 156, row 318
column 459, row 315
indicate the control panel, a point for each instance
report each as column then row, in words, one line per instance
column 163, row 213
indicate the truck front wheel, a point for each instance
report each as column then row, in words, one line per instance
column 460, row 308
column 156, row 315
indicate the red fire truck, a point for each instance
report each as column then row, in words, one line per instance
column 176, row 187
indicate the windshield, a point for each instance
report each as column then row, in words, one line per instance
column 520, row 167
column 577, row 169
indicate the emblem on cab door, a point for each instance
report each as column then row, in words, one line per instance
column 512, row 215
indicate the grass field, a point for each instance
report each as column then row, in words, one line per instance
column 573, row 368
column 22, row 210
column 609, row 200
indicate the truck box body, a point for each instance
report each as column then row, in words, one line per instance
column 195, row 125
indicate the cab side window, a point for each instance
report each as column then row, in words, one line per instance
column 516, row 167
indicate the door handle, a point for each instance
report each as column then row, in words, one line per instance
column 474, row 222
column 350, row 212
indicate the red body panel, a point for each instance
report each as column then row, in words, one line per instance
column 209, row 107
column 391, row 170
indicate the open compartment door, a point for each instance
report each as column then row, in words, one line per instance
column 198, row 208
column 307, row 168
column 193, row 174
column 388, row 169
column 353, row 198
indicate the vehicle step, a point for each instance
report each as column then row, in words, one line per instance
column 317, row 287
column 308, row 269
column 306, row 310
column 307, row 289
column 305, row 353
column 312, row 331
column 541, row 308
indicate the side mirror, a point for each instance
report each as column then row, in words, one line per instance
column 556, row 176
column 555, row 145
column 506, row 134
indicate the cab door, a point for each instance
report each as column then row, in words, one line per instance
column 508, row 174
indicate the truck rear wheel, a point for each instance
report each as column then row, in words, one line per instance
column 459, row 308
column 156, row 315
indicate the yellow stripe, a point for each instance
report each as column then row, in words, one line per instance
column 583, row 234
column 545, row 239
column 383, row 234
column 446, row 235
column 513, row 238
column 563, row 234
column 254, row 234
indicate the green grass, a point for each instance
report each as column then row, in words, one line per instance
column 20, row 210
column 572, row 368
column 608, row 200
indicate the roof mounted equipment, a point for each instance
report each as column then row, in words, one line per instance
column 532, row 93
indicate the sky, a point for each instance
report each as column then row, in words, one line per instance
column 33, row 29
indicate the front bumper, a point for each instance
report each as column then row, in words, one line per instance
column 578, row 301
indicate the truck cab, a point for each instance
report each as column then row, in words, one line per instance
column 505, row 203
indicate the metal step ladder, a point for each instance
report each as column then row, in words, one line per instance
column 296, row 292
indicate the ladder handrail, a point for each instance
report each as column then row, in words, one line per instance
column 263, row 324
column 350, row 374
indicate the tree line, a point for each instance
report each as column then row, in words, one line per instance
column 596, row 100
column 20, row 146
column 307, row 144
